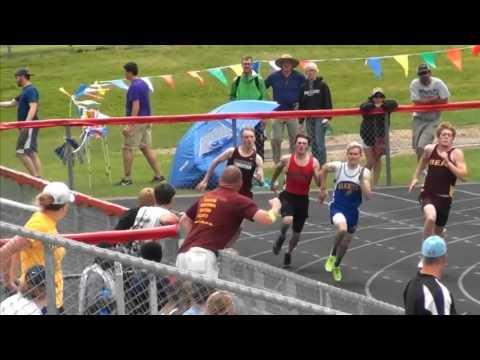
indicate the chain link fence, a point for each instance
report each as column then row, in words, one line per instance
column 115, row 283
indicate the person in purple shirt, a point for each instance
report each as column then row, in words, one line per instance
column 285, row 84
column 138, row 136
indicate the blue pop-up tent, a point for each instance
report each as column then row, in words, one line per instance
column 205, row 140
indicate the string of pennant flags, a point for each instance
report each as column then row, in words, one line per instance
column 454, row 55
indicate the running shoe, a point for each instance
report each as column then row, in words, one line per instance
column 287, row 261
column 124, row 182
column 330, row 263
column 278, row 244
column 337, row 273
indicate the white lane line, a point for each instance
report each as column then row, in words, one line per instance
column 372, row 278
column 467, row 192
column 249, row 235
column 376, row 242
column 396, row 197
column 462, row 288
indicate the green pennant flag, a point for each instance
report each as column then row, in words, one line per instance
column 218, row 74
column 429, row 59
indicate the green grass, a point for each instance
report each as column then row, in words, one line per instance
column 57, row 66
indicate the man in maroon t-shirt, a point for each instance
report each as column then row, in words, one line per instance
column 213, row 221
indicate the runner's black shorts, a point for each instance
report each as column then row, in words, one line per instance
column 296, row 206
column 442, row 206
column 27, row 141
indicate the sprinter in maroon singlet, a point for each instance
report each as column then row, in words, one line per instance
column 445, row 164
column 301, row 168
column 245, row 158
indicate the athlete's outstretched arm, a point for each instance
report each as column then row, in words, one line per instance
column 326, row 168
column 365, row 184
column 459, row 168
column 278, row 170
column 422, row 164
column 259, row 170
column 222, row 157
column 316, row 172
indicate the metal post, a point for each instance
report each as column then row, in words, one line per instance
column 50, row 279
column 119, row 291
column 152, row 291
column 387, row 150
column 234, row 132
column 69, row 156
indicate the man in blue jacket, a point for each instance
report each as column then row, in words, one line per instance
column 285, row 84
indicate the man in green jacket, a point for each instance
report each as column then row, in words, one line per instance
column 249, row 86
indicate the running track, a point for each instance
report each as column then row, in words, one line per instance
column 385, row 251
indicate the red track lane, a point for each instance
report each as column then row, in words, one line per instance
column 466, row 105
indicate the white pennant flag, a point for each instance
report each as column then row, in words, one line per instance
column 149, row 83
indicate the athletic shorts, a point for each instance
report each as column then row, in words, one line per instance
column 423, row 132
column 27, row 141
column 442, row 206
column 351, row 215
column 141, row 137
column 199, row 260
column 296, row 206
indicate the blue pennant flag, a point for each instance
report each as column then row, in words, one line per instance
column 256, row 67
column 80, row 90
column 376, row 66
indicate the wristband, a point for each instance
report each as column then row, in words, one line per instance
column 272, row 215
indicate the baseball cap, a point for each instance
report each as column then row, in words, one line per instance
column 23, row 72
column 434, row 246
column 60, row 193
column 35, row 276
column 377, row 90
column 310, row 66
column 421, row 68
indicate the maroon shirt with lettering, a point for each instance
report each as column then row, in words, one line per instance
column 217, row 216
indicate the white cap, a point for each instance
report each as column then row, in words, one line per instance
column 60, row 192
column 310, row 66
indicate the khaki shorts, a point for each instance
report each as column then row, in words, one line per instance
column 423, row 132
column 141, row 137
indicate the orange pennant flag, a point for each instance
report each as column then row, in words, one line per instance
column 455, row 56
column 169, row 80
column 303, row 62
column 476, row 50
column 195, row 75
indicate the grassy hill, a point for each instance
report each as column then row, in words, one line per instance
column 350, row 83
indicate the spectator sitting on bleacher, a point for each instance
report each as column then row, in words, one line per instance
column 31, row 298
column 146, row 197
column 137, row 295
column 220, row 303
column 179, row 298
column 200, row 296
column 97, row 287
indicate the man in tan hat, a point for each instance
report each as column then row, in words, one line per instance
column 285, row 84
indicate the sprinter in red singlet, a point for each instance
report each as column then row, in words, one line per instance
column 301, row 168
column 445, row 164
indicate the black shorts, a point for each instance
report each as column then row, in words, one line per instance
column 296, row 206
column 442, row 206
column 27, row 141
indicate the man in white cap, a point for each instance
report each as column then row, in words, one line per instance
column 425, row 294
column 315, row 95
column 285, row 84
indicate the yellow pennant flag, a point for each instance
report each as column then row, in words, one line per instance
column 403, row 61
column 237, row 69
column 195, row 75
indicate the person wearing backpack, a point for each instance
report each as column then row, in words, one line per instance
column 250, row 86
